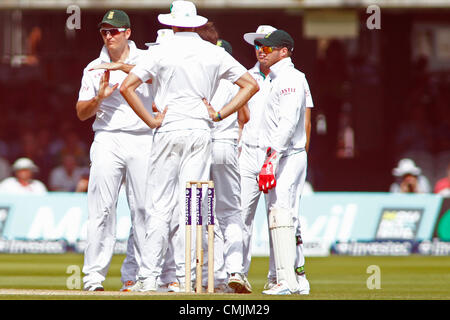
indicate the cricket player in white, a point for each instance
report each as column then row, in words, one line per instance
column 184, row 72
column 168, row 280
column 287, row 125
column 253, row 152
column 120, row 150
column 227, row 182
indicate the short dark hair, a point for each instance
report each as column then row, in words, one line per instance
column 208, row 32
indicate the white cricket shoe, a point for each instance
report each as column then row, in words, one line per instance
column 303, row 285
column 173, row 287
column 248, row 287
column 239, row 283
column 126, row 287
column 144, row 285
column 271, row 282
column 94, row 287
column 163, row 287
column 280, row 288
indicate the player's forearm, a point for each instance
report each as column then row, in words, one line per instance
column 136, row 104
column 126, row 67
column 308, row 135
column 87, row 109
column 243, row 115
column 248, row 88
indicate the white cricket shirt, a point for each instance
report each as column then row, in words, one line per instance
column 251, row 131
column 283, row 126
column 185, row 70
column 114, row 113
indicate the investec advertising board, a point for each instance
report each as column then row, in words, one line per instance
column 326, row 218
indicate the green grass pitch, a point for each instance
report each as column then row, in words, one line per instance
column 331, row 278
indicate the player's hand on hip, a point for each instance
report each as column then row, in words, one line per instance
column 105, row 90
column 266, row 177
column 159, row 116
column 211, row 112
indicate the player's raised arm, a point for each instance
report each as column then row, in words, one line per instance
column 88, row 108
column 114, row 66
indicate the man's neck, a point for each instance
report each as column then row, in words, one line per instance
column 182, row 29
column 264, row 70
column 119, row 55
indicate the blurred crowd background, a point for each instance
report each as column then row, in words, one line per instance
column 380, row 95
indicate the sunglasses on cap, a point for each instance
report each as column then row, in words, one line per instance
column 112, row 31
column 265, row 49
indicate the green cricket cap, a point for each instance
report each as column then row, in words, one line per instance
column 226, row 45
column 116, row 18
column 276, row 39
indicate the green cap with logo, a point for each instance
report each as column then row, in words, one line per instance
column 276, row 39
column 116, row 18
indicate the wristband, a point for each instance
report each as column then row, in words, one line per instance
column 218, row 116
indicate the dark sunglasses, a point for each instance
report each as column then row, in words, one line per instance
column 265, row 49
column 112, row 31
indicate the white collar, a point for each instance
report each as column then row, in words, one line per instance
column 189, row 34
column 276, row 68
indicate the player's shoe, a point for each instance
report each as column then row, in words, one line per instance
column 280, row 288
column 303, row 285
column 173, row 287
column 238, row 284
column 126, row 287
column 223, row 288
column 163, row 287
column 271, row 282
column 248, row 287
column 94, row 287
column 145, row 284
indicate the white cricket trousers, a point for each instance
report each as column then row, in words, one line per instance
column 177, row 157
column 251, row 161
column 227, row 182
column 115, row 157
column 291, row 176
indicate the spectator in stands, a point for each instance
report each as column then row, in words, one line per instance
column 5, row 168
column 414, row 136
column 442, row 186
column 410, row 179
column 65, row 177
column 22, row 182
column 69, row 143
column 28, row 146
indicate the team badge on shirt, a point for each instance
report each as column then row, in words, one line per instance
column 287, row 91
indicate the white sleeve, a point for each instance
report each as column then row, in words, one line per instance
column 230, row 68
column 146, row 67
column 291, row 95
column 308, row 98
column 87, row 90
